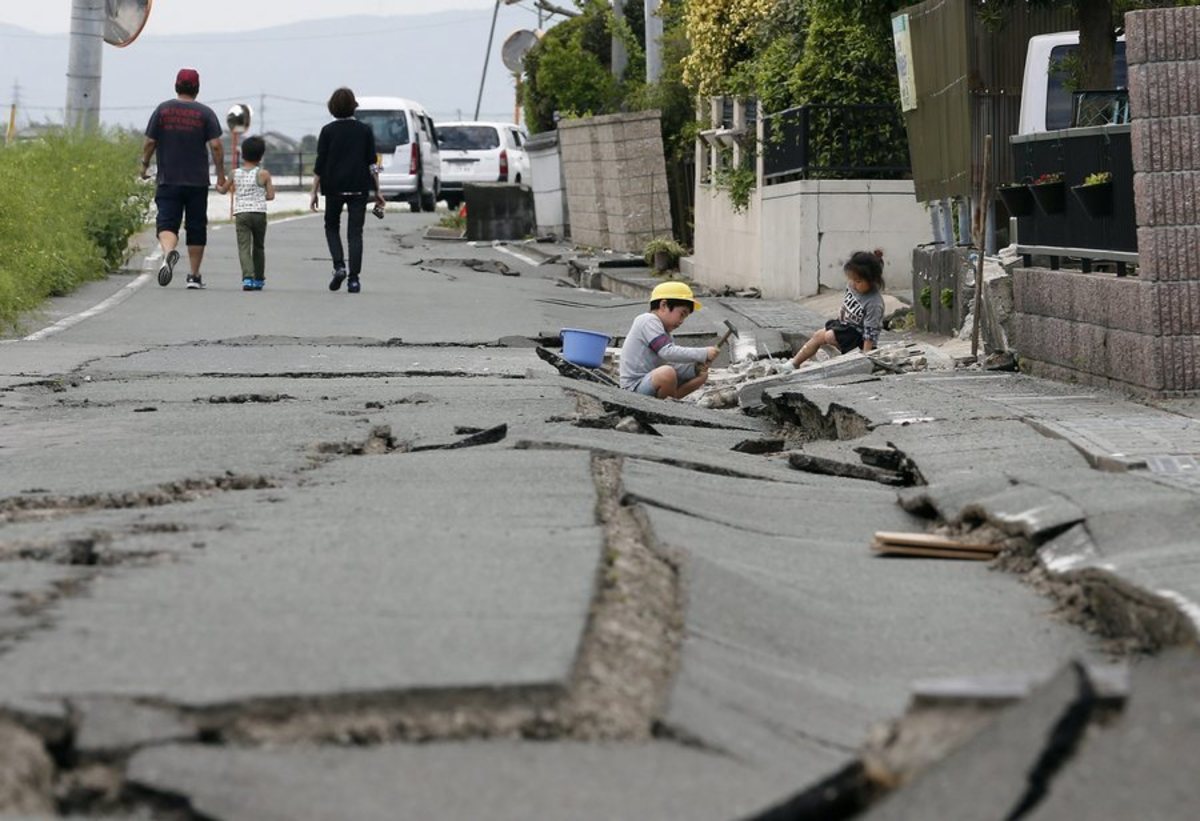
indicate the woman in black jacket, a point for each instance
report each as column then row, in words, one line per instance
column 346, row 175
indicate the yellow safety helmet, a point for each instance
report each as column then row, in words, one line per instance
column 674, row 289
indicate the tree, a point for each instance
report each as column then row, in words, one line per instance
column 570, row 71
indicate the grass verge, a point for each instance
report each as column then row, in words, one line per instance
column 68, row 205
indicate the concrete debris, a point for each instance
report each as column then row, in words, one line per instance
column 628, row 424
column 750, row 392
column 995, row 321
column 26, row 773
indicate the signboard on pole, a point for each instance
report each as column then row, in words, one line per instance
column 902, row 37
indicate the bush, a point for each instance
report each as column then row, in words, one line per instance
column 68, row 206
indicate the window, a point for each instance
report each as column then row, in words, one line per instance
column 390, row 128
column 469, row 137
column 1058, row 99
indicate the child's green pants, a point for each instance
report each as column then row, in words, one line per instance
column 251, row 235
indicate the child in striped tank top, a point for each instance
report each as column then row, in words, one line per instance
column 252, row 186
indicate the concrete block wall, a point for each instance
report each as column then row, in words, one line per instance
column 795, row 237
column 1138, row 333
column 615, row 173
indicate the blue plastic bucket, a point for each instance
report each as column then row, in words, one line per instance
column 584, row 348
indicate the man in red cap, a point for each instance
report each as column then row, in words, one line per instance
column 182, row 131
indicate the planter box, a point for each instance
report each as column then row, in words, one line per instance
column 1096, row 199
column 1017, row 199
column 1051, row 196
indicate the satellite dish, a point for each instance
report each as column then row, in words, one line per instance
column 124, row 20
column 238, row 118
column 516, row 47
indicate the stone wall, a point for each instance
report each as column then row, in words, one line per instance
column 1138, row 333
column 616, row 180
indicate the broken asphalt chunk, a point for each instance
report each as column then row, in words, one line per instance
column 832, row 467
column 483, row 437
column 573, row 371
column 650, row 411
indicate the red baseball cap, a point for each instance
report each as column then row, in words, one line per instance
column 189, row 76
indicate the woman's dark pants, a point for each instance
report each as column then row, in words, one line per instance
column 356, row 209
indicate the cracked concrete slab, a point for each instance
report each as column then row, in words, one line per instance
column 109, row 726
column 797, row 639
column 507, row 780
column 698, row 458
column 989, row 774
column 1131, row 767
column 458, row 569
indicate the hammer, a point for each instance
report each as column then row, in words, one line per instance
column 732, row 331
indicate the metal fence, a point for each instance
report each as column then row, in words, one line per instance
column 290, row 169
column 835, row 142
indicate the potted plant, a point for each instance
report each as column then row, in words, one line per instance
column 663, row 253
column 1095, row 194
column 1017, row 198
column 1049, row 192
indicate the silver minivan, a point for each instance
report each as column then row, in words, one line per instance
column 406, row 140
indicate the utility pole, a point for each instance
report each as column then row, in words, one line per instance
column 487, row 55
column 654, row 34
column 262, row 113
column 83, row 64
column 620, row 57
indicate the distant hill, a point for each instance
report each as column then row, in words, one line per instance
column 433, row 58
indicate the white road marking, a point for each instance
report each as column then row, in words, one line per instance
column 70, row 321
column 522, row 257
column 149, row 264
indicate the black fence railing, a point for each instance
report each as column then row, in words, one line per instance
column 289, row 169
column 835, row 142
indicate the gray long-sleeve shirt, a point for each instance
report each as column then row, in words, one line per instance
column 865, row 312
column 647, row 346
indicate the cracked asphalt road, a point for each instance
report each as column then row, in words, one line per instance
column 230, row 586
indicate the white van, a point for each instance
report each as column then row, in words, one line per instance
column 1045, row 101
column 410, row 165
column 481, row 152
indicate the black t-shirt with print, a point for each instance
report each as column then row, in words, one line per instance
column 183, row 129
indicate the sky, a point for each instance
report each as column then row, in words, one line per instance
column 196, row 16
column 374, row 46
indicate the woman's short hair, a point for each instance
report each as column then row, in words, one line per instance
column 342, row 103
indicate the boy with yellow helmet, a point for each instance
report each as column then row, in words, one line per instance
column 651, row 363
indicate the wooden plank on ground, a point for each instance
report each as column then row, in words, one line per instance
column 933, row 541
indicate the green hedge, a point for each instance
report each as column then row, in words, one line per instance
column 68, row 206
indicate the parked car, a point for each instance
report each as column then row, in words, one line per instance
column 406, row 139
column 1046, row 102
column 481, row 152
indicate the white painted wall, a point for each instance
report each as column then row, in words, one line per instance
column 548, row 195
column 811, row 227
column 795, row 237
column 727, row 246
